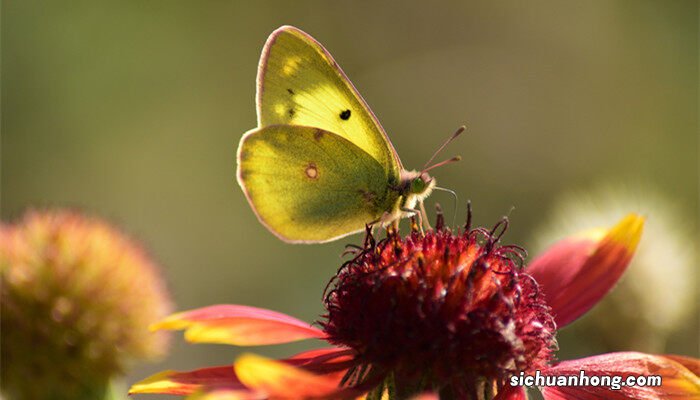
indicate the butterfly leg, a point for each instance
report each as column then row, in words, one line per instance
column 425, row 218
column 416, row 213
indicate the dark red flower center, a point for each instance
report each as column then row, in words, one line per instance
column 444, row 311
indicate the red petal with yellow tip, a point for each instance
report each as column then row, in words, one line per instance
column 276, row 378
column 511, row 393
column 185, row 383
column 677, row 382
column 239, row 326
column 222, row 381
column 577, row 272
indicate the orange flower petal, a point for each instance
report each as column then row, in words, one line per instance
column 677, row 382
column 511, row 393
column 693, row 364
column 277, row 378
column 239, row 326
column 226, row 394
column 185, row 383
column 324, row 361
column 575, row 273
column 325, row 352
column 215, row 382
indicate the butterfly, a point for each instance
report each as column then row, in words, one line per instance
column 319, row 166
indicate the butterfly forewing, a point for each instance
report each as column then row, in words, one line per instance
column 299, row 83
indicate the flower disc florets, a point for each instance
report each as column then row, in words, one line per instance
column 441, row 311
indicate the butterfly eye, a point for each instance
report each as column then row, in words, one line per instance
column 418, row 184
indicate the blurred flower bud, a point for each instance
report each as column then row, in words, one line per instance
column 77, row 297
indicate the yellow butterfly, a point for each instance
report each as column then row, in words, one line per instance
column 319, row 166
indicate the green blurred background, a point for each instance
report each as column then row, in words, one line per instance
column 133, row 111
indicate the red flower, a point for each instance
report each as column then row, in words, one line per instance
column 450, row 314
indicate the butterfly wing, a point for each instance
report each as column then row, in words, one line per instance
column 299, row 83
column 308, row 185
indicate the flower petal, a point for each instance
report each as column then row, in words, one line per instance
column 677, row 382
column 185, row 383
column 422, row 396
column 208, row 383
column 324, row 361
column 511, row 393
column 693, row 364
column 239, row 326
column 225, row 394
column 575, row 273
column 277, row 378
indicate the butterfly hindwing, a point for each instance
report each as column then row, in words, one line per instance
column 310, row 185
column 299, row 83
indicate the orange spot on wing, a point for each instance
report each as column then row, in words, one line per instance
column 312, row 171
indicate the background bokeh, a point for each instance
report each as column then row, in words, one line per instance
column 133, row 111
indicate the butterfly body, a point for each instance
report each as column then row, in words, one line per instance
column 319, row 166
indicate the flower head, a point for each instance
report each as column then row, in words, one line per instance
column 443, row 312
column 448, row 311
column 77, row 294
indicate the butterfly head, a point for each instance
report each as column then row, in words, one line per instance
column 417, row 185
column 421, row 184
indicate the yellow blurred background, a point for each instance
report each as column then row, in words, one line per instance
column 133, row 111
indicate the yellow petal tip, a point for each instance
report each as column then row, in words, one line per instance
column 172, row 323
column 154, row 384
column 628, row 231
column 250, row 359
column 278, row 379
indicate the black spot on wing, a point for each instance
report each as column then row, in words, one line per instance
column 291, row 112
column 345, row 115
column 290, row 91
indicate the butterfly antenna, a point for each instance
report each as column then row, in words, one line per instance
column 452, row 192
column 441, row 163
column 450, row 139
